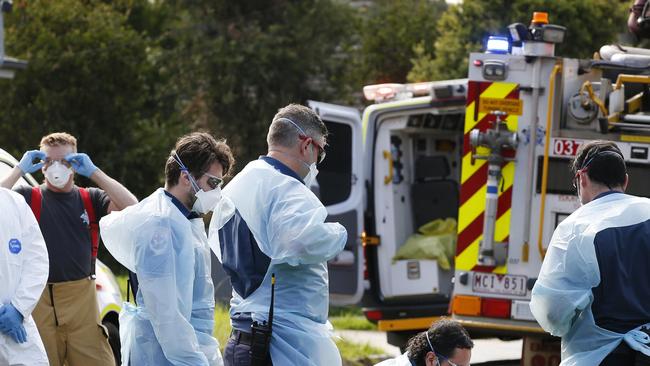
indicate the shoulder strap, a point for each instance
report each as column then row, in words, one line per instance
column 94, row 226
column 35, row 202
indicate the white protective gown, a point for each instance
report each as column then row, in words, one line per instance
column 288, row 223
column 24, row 268
column 562, row 296
column 174, row 319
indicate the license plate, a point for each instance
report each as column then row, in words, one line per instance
column 491, row 283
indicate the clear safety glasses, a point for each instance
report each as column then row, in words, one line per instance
column 48, row 162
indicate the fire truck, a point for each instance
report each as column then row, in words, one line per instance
column 527, row 113
column 492, row 151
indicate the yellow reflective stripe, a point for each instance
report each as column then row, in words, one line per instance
column 108, row 308
column 495, row 90
column 466, row 260
column 471, row 209
column 406, row 324
column 467, row 169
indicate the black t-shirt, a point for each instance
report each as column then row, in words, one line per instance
column 64, row 224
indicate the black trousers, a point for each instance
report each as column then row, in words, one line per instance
column 623, row 355
column 237, row 351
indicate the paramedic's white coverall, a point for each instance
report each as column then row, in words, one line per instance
column 593, row 289
column 288, row 223
column 174, row 319
column 24, row 267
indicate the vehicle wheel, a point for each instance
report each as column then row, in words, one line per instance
column 114, row 341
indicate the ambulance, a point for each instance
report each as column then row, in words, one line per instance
column 491, row 151
column 390, row 170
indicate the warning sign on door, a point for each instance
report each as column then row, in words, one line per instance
column 510, row 106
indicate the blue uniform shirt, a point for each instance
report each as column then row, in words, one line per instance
column 621, row 298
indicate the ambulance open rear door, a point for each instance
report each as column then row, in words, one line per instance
column 340, row 187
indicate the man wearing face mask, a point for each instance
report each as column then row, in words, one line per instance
column 67, row 315
column 593, row 287
column 163, row 240
column 278, row 227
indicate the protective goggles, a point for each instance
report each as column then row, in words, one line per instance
column 214, row 182
column 321, row 149
column 49, row 161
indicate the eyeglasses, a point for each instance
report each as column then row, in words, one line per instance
column 321, row 149
column 213, row 181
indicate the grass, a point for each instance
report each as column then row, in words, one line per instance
column 351, row 318
column 341, row 317
column 352, row 351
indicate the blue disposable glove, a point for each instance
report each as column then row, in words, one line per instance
column 81, row 164
column 11, row 323
column 19, row 335
column 27, row 164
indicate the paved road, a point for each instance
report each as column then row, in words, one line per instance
column 485, row 350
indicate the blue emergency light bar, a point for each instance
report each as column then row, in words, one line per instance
column 497, row 44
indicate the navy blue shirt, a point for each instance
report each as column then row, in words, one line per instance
column 242, row 258
column 64, row 224
column 621, row 299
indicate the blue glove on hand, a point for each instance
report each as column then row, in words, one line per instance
column 81, row 164
column 11, row 323
column 18, row 335
column 27, row 162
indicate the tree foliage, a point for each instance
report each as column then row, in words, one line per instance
column 246, row 59
column 465, row 27
column 391, row 29
column 89, row 75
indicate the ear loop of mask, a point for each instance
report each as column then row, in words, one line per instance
column 431, row 346
column 195, row 186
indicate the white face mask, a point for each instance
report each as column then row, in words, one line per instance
column 313, row 172
column 206, row 201
column 58, row 174
column 310, row 178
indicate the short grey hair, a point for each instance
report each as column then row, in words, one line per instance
column 282, row 132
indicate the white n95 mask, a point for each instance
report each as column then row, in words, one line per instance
column 311, row 176
column 206, row 201
column 58, row 174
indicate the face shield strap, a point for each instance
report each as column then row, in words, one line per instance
column 195, row 185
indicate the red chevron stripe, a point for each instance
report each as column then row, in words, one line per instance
column 475, row 228
column 473, row 184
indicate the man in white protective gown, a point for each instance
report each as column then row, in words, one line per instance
column 594, row 289
column 24, row 267
column 163, row 240
column 272, row 224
